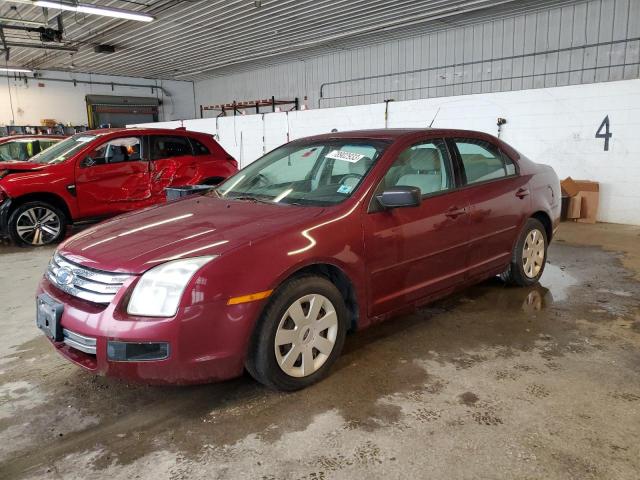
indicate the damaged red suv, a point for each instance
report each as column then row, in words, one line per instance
column 319, row 237
column 101, row 173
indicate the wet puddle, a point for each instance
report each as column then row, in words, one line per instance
column 557, row 280
column 485, row 323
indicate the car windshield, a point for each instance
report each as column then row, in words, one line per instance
column 306, row 173
column 63, row 150
column 15, row 150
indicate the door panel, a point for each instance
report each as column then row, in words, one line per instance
column 172, row 164
column 497, row 209
column 495, row 217
column 415, row 252
column 112, row 179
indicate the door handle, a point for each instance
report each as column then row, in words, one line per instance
column 523, row 192
column 455, row 212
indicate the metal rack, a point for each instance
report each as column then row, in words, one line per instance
column 236, row 106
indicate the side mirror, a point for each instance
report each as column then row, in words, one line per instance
column 401, row 196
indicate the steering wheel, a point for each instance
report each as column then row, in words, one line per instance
column 357, row 176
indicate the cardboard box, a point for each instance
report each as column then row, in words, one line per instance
column 575, row 207
column 569, row 187
column 589, row 203
column 584, row 197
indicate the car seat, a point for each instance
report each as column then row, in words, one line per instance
column 361, row 167
column 426, row 167
column 118, row 154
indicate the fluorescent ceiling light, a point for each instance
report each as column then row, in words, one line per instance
column 95, row 10
column 15, row 70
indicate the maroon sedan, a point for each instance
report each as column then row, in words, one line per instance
column 319, row 237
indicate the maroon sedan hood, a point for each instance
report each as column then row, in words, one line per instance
column 198, row 226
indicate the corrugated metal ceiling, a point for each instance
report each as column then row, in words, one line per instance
column 197, row 39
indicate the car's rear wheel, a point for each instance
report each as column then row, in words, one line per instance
column 529, row 255
column 300, row 334
column 36, row 224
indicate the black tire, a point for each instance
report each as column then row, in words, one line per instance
column 19, row 220
column 515, row 273
column 262, row 363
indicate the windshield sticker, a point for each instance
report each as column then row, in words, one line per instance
column 84, row 139
column 346, row 189
column 346, row 156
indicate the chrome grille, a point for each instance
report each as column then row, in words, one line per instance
column 79, row 342
column 93, row 285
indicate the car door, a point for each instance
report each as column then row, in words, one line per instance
column 413, row 253
column 173, row 163
column 499, row 200
column 113, row 178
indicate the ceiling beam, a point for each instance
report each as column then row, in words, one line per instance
column 41, row 46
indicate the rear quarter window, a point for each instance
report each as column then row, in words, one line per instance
column 199, row 148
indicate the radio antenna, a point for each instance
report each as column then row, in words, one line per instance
column 434, row 117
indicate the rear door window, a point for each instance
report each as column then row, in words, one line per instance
column 482, row 161
column 169, row 147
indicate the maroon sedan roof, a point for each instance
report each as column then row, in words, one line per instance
column 394, row 133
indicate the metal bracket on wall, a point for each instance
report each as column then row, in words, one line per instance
column 236, row 106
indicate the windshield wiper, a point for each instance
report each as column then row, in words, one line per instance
column 249, row 198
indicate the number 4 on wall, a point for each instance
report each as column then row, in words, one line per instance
column 607, row 134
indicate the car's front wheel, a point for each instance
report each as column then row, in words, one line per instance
column 300, row 334
column 36, row 224
column 529, row 255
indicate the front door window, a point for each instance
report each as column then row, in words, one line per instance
column 119, row 150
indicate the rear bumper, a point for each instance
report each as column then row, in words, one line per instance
column 207, row 343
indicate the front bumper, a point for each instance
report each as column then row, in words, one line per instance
column 5, row 209
column 204, row 346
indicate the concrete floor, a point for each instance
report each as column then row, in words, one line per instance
column 493, row 383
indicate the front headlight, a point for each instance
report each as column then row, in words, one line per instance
column 160, row 289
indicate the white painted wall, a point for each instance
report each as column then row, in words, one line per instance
column 556, row 126
column 65, row 102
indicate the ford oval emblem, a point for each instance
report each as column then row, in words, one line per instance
column 64, row 276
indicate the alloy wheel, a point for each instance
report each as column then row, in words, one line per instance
column 533, row 253
column 38, row 226
column 306, row 335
